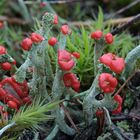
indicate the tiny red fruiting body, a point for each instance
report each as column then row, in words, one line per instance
column 37, row 38
column 106, row 59
column 65, row 29
column 107, row 82
column 76, row 55
column 67, row 79
column 117, row 110
column 26, row 44
column 99, row 112
column 109, row 38
column 76, row 85
column 3, row 50
column 12, row 105
column 116, row 64
column 55, row 20
column 65, row 60
column 6, row 66
column 96, row 35
column 52, row 41
column 66, row 66
column 70, row 80
column 118, row 99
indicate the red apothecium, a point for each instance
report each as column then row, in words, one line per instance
column 26, row 44
column 116, row 64
column 96, row 35
column 109, row 38
column 117, row 110
column 52, row 41
column 12, row 105
column 107, row 82
column 65, row 60
column 106, row 59
column 70, row 80
column 65, row 29
column 55, row 20
column 6, row 66
column 37, row 38
column 2, row 50
column 119, row 100
column 99, row 112
column 76, row 55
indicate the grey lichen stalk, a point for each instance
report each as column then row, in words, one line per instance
column 38, row 59
column 90, row 103
column 130, row 61
column 57, row 91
